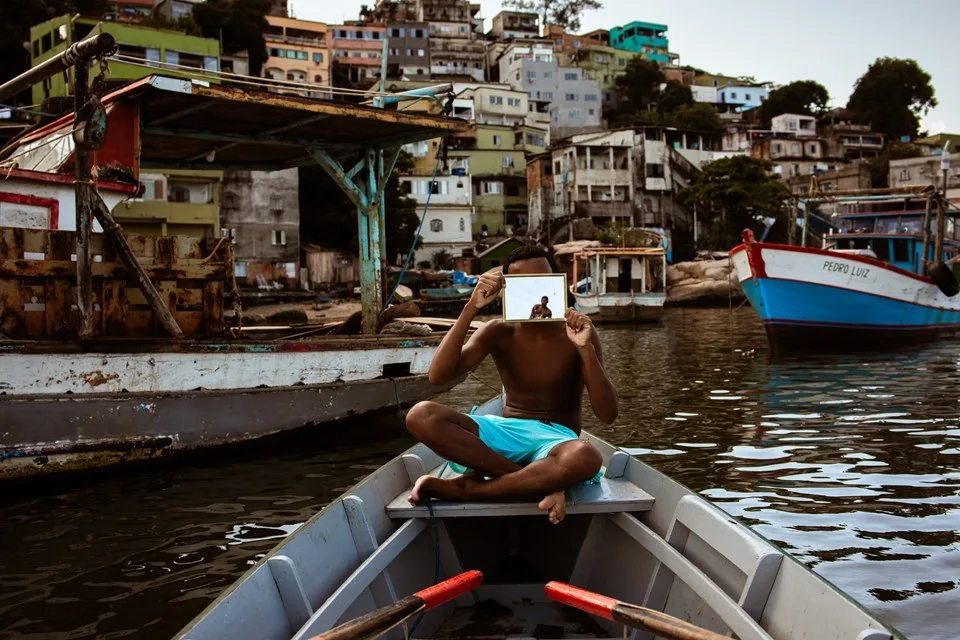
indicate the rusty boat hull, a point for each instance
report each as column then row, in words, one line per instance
column 70, row 409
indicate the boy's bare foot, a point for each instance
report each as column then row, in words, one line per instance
column 429, row 487
column 555, row 505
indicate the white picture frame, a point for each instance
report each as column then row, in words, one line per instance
column 523, row 294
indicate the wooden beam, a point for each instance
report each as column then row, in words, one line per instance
column 154, row 299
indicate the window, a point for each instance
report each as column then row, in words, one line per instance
column 291, row 54
column 622, row 62
column 463, row 224
column 733, row 95
column 274, row 53
column 794, row 148
column 301, row 55
column 496, row 99
column 792, row 125
column 342, row 33
column 513, row 102
column 240, row 269
column 418, row 33
column 396, row 33
column 318, row 79
column 420, row 53
column 548, row 95
column 795, row 169
column 901, row 251
column 570, row 97
column 228, row 233
column 507, row 162
column 591, row 97
column 654, row 170
column 746, row 97
column 775, row 147
column 574, row 114
column 591, row 112
column 497, row 140
column 276, row 204
column 153, row 55
column 882, row 249
column 180, row 194
column 491, row 188
column 278, row 237
column 812, row 149
column 376, row 35
column 570, row 76
column 436, row 225
column 513, row 190
column 548, row 74
column 171, row 57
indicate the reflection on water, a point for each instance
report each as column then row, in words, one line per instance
column 850, row 463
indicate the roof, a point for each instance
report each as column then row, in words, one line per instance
column 500, row 244
column 188, row 124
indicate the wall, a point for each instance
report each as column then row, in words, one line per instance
column 250, row 213
column 175, row 203
column 330, row 266
column 798, row 125
column 745, row 97
column 704, row 94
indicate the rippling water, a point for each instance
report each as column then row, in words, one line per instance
column 851, row 463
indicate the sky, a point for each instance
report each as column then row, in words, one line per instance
column 830, row 41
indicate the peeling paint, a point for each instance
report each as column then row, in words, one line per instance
column 97, row 378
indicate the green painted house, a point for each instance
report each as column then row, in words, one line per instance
column 495, row 157
column 159, row 48
column 497, row 253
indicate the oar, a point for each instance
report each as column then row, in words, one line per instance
column 629, row 614
column 385, row 618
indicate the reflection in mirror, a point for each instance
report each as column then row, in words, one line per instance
column 534, row 297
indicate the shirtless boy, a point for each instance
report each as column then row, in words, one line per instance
column 534, row 449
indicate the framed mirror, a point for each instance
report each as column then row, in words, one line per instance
column 535, row 297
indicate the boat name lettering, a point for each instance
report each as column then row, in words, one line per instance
column 860, row 272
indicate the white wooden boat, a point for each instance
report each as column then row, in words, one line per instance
column 622, row 284
column 638, row 537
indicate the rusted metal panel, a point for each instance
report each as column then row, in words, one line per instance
column 213, row 307
column 113, row 297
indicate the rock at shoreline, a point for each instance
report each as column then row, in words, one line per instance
column 702, row 283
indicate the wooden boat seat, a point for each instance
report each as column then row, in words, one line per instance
column 613, row 494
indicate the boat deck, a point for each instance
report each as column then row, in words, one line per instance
column 612, row 494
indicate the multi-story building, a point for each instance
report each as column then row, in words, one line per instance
column 739, row 98
column 297, row 50
column 926, row 171
column 449, row 215
column 572, row 100
column 851, row 177
column 161, row 48
column 175, row 10
column 357, row 49
column 456, row 50
column 492, row 103
column 647, row 38
column 181, row 203
column 515, row 25
column 495, row 157
column 852, row 141
column 261, row 214
column 408, row 50
column 793, row 146
column 603, row 65
column 540, row 193
column 135, row 11
column 792, row 124
column 566, row 44
column 933, row 145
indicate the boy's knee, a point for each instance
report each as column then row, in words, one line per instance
column 421, row 418
column 582, row 459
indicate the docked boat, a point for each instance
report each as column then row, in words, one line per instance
column 119, row 340
column 621, row 284
column 637, row 541
column 876, row 278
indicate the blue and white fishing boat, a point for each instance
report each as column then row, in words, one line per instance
column 868, row 282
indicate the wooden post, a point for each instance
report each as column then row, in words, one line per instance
column 926, row 237
column 82, row 189
column 792, row 224
column 941, row 230
column 806, row 220
column 154, row 299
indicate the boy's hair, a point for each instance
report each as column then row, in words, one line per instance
column 528, row 252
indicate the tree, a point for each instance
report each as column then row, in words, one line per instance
column 892, row 96
column 329, row 218
column 807, row 97
column 695, row 117
column 673, row 96
column 730, row 194
column 638, row 88
column 16, row 18
column 563, row 13
column 239, row 24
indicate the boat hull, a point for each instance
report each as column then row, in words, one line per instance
column 612, row 308
column 106, row 407
column 814, row 298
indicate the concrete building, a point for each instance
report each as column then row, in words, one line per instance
column 492, row 104
column 357, row 49
column 129, row 11
column 514, row 25
column 176, row 9
column 852, row 141
column 449, row 216
column 795, row 155
column 456, row 47
column 846, row 178
column 566, row 44
column 298, row 51
column 593, row 176
column 791, row 124
column 572, row 100
column 540, row 194
column 925, row 171
column 181, row 203
column 260, row 212
column 647, row 38
column 603, row 64
column 154, row 47
column 933, row 145
column 743, row 97
column 408, row 50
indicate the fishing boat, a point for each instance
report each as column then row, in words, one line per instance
column 621, row 284
column 635, row 545
column 119, row 340
column 881, row 275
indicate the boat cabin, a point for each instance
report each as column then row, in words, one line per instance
column 890, row 229
column 621, row 271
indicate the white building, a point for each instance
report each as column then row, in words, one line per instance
column 794, row 124
column 449, row 214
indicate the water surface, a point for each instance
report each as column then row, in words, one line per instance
column 851, row 463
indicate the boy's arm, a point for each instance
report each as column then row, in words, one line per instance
column 602, row 394
column 454, row 358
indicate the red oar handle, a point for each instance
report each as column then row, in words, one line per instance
column 381, row 620
column 661, row 624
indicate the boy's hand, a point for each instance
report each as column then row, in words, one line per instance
column 579, row 328
column 487, row 289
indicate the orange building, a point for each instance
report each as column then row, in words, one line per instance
column 298, row 51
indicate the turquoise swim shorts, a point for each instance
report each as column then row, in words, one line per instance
column 521, row 440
